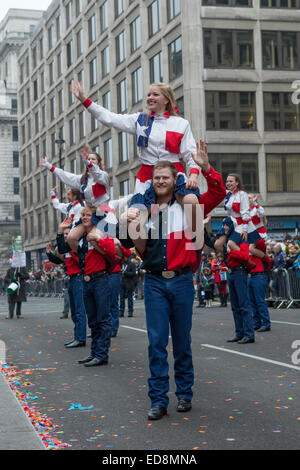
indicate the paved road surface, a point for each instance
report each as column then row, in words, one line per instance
column 245, row 396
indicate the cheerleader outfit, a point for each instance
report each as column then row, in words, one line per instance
column 94, row 193
column 257, row 213
column 237, row 208
column 159, row 137
column 72, row 209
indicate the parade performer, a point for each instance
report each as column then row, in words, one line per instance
column 219, row 270
column 244, row 231
column 96, row 288
column 161, row 135
column 168, row 287
column 72, row 208
column 238, row 290
column 257, row 285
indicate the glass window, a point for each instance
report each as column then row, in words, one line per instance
column 228, row 48
column 103, row 16
column 283, row 172
column 137, row 86
column 173, row 9
column 78, row 7
column 69, row 53
column 124, row 188
column 93, row 72
column 123, row 146
column 108, row 154
column 154, row 17
column 175, row 59
column 82, row 127
column 15, row 134
column 280, row 50
column 72, row 129
column 119, row 7
column 105, row 61
column 15, row 159
column 68, row 14
column 17, row 212
column 230, row 110
column 122, row 95
column 279, row 112
column 245, row 165
column 156, row 68
column 92, row 29
column 120, row 47
column 16, row 185
column 107, row 100
column 59, row 64
column 79, row 40
column 280, row 3
column 135, row 34
column 230, row 3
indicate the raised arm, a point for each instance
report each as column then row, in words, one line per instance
column 122, row 122
column 60, row 206
column 74, row 181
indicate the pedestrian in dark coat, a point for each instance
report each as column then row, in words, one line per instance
column 20, row 275
column 128, row 284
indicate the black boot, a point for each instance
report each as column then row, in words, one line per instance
column 225, row 300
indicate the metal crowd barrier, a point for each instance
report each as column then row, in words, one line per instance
column 47, row 288
column 288, row 288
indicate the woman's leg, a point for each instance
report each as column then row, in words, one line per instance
column 74, row 236
column 219, row 243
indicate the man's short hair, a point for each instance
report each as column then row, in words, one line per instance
column 165, row 164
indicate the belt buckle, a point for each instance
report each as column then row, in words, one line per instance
column 230, row 271
column 168, row 274
column 87, row 278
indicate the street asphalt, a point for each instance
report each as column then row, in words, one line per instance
column 246, row 397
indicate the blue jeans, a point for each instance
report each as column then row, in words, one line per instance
column 169, row 302
column 242, row 314
column 96, row 294
column 257, row 286
column 123, row 294
column 115, row 284
column 78, row 313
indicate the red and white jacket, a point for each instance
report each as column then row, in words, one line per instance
column 170, row 137
column 72, row 209
column 238, row 210
column 257, row 213
column 96, row 191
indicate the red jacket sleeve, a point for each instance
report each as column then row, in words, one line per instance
column 242, row 254
column 108, row 246
column 125, row 252
column 215, row 193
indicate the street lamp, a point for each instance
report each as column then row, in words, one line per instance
column 60, row 142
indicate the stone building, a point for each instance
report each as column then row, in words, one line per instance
column 15, row 29
column 231, row 64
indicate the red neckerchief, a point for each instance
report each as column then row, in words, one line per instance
column 167, row 114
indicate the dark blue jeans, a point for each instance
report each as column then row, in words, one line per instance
column 124, row 293
column 78, row 313
column 257, row 286
column 96, row 294
column 242, row 314
column 169, row 302
column 115, row 285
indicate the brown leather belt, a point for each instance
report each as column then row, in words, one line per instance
column 90, row 277
column 171, row 274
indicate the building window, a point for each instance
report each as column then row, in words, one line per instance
column 31, row 226
column 124, row 188
column 38, row 189
column 245, row 165
column 29, row 129
column 78, row 7
column 135, row 34
column 156, row 68
column 55, row 223
column 173, row 9
column 80, row 76
column 52, row 108
column 46, row 218
column 46, row 186
column 35, row 90
column 175, row 59
column 24, row 164
column 106, row 99
column 68, row 14
column 34, row 57
column 120, row 47
column 123, row 146
column 93, row 72
column 82, row 127
column 41, row 48
column 119, row 7
column 283, row 172
column 280, row 3
column 280, row 112
column 230, row 3
column 70, row 94
column 50, row 37
column 16, row 183
column 122, row 96
column 108, row 154
column 180, row 105
column 25, row 197
column 92, row 29
column 69, row 53
column 15, row 134
column 59, row 64
column 228, row 48
column 280, row 50
column 94, row 122
column 79, row 40
column 51, row 73
column 36, row 122
column 15, row 159
column 60, row 101
column 105, row 61
column 57, row 27
column 230, row 110
column 154, row 17
column 30, row 161
column 137, row 86
column 103, row 16
column 17, row 212
column 72, row 128
column 42, row 81
column 25, row 229
column 43, row 115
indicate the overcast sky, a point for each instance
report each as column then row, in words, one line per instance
column 27, row 4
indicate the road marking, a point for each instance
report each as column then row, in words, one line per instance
column 286, row 322
column 290, row 366
column 131, row 328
